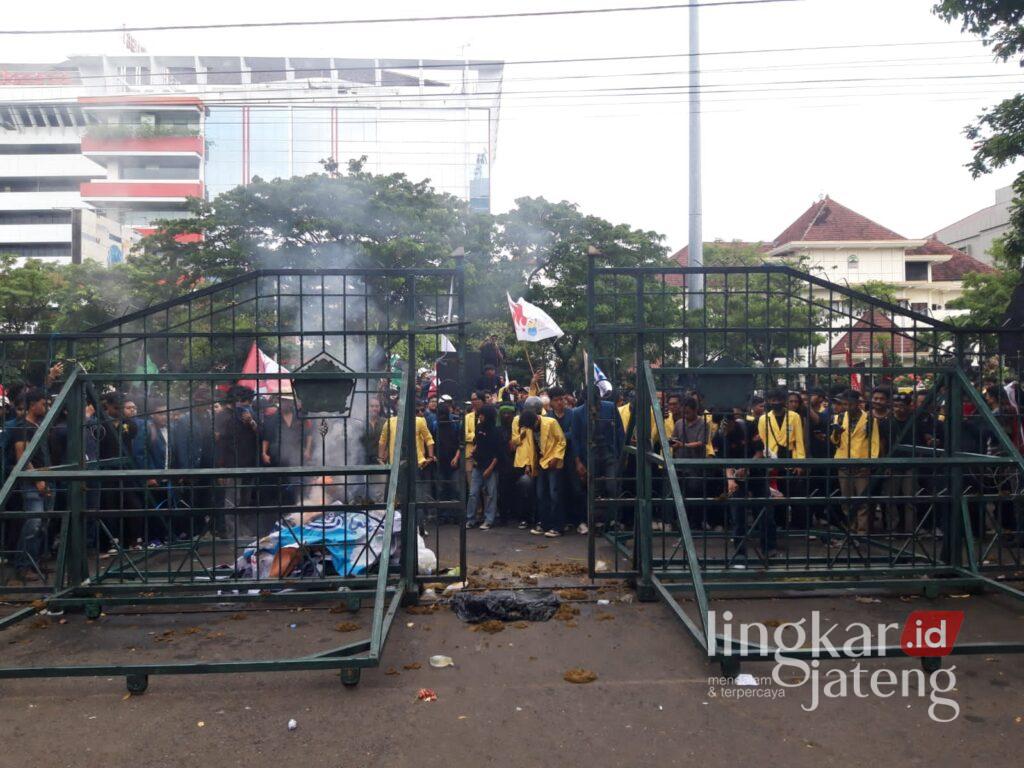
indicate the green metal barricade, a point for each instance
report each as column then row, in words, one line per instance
column 932, row 504
column 171, row 492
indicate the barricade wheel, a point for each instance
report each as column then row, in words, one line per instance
column 931, row 663
column 350, row 676
column 730, row 666
column 354, row 604
column 93, row 610
column 137, row 683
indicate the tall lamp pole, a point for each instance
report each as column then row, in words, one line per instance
column 696, row 247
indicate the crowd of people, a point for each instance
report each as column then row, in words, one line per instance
column 524, row 453
column 521, row 455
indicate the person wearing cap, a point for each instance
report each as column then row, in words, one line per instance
column 430, row 414
column 856, row 435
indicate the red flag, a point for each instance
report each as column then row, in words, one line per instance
column 854, row 377
column 259, row 361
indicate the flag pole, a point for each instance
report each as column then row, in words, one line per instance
column 529, row 362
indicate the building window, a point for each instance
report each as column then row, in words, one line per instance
column 920, row 306
column 966, row 248
column 853, row 261
column 916, row 271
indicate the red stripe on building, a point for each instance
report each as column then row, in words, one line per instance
column 140, row 189
column 153, row 144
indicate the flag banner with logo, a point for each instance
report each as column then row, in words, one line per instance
column 531, row 322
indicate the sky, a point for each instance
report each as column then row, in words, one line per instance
column 883, row 135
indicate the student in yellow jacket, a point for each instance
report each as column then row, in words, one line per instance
column 626, row 412
column 856, row 435
column 781, row 430
column 424, row 442
column 540, row 446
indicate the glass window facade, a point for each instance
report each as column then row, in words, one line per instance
column 449, row 147
column 224, row 149
column 311, row 140
column 270, row 143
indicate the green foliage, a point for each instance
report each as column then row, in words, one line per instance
column 986, row 296
column 546, row 245
column 998, row 134
column 140, row 131
column 25, row 303
column 997, row 22
column 773, row 311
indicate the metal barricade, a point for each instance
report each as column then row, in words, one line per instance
column 253, row 443
column 714, row 495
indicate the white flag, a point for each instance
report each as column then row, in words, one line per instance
column 446, row 344
column 532, row 323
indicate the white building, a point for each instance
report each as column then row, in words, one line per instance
column 847, row 248
column 975, row 234
column 133, row 137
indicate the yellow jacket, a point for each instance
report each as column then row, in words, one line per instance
column 853, row 443
column 789, row 434
column 552, row 444
column 469, row 428
column 670, row 423
column 423, row 439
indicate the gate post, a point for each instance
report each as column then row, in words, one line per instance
column 644, row 548
column 75, row 541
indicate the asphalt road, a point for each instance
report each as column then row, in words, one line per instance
column 505, row 702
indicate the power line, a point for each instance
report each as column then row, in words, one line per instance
column 395, row 20
column 458, row 66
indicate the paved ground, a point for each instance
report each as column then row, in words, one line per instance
column 505, row 702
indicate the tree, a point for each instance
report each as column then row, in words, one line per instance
column 986, row 296
column 547, row 244
column 25, row 295
column 998, row 134
column 322, row 220
column 769, row 315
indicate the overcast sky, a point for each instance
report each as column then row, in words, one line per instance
column 891, row 149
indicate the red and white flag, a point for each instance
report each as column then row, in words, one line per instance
column 259, row 361
column 854, row 377
column 531, row 322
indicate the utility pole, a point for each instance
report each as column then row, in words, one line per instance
column 696, row 247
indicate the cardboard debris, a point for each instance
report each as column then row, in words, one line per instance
column 346, row 626
column 579, row 676
column 491, row 626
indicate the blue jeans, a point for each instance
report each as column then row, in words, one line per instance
column 550, row 511
column 489, row 486
column 32, row 538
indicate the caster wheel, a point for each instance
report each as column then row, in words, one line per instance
column 353, row 604
column 93, row 610
column 646, row 593
column 931, row 663
column 350, row 677
column 730, row 666
column 137, row 683
column 931, row 591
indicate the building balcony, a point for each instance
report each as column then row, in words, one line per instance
column 134, row 146
column 141, row 191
